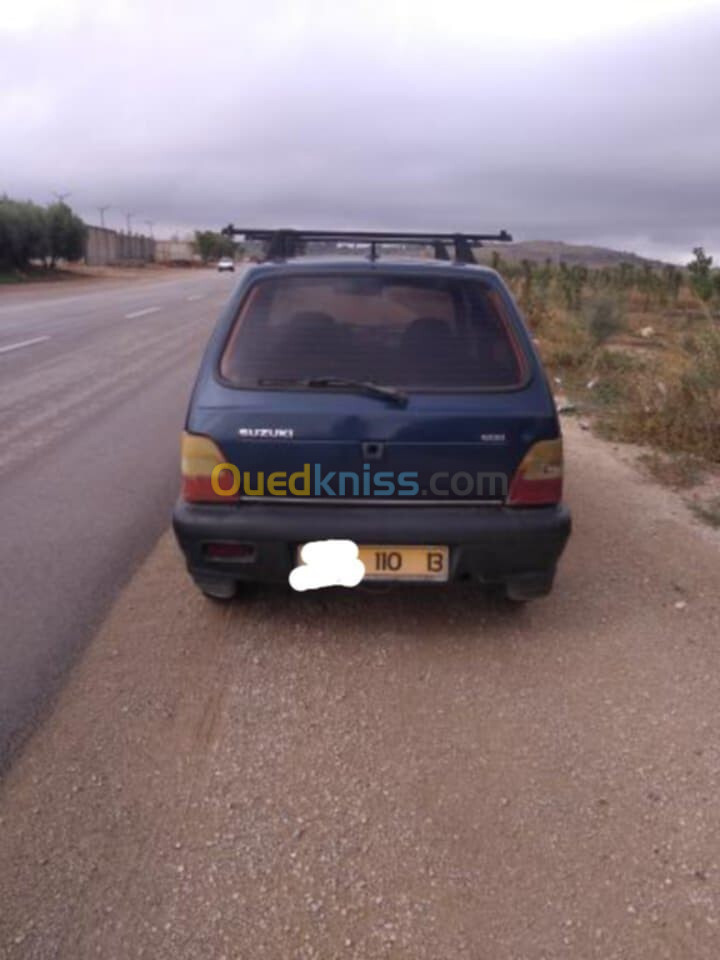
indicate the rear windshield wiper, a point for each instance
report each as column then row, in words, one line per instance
column 361, row 386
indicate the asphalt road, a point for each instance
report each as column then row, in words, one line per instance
column 94, row 382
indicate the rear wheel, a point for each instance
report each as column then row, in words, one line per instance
column 217, row 589
column 529, row 586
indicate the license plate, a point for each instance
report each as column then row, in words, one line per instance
column 384, row 562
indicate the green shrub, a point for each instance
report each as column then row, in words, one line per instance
column 31, row 232
column 604, row 318
column 65, row 233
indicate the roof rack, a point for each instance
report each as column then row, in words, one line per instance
column 284, row 243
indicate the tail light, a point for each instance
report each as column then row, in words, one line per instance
column 206, row 472
column 539, row 478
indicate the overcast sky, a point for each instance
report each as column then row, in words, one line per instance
column 476, row 115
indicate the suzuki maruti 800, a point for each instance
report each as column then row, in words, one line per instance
column 399, row 403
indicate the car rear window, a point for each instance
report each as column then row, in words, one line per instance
column 412, row 332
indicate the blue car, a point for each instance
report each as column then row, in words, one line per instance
column 363, row 395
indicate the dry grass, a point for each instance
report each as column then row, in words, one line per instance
column 644, row 366
column 672, row 399
column 648, row 371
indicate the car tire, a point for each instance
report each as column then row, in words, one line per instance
column 220, row 590
column 526, row 587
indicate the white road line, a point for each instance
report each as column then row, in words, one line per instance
column 195, row 296
column 141, row 313
column 23, row 343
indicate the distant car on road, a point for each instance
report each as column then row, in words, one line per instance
column 396, row 403
column 226, row 263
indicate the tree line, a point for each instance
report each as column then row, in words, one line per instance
column 30, row 232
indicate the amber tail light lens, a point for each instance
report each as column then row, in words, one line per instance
column 200, row 457
column 539, row 478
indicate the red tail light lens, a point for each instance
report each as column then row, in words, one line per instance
column 207, row 477
column 539, row 478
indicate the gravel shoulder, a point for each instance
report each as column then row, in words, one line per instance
column 407, row 774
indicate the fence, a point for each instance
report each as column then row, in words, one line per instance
column 104, row 246
column 175, row 251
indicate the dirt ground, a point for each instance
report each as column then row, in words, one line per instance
column 407, row 773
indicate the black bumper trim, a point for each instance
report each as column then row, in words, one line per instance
column 487, row 543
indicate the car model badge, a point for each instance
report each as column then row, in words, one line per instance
column 266, row 433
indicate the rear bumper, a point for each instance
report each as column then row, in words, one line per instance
column 490, row 544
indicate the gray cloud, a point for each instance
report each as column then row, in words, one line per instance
column 193, row 118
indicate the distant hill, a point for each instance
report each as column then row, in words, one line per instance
column 555, row 250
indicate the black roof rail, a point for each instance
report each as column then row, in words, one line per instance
column 285, row 242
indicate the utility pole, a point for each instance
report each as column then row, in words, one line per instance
column 151, row 224
column 102, row 214
column 128, row 221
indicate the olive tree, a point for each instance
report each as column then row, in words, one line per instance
column 65, row 234
column 23, row 232
column 701, row 279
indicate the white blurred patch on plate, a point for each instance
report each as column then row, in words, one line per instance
column 327, row 563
